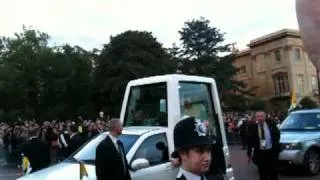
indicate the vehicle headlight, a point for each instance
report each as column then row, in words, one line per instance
column 292, row 146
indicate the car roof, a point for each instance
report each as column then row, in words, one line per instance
column 307, row 111
column 140, row 130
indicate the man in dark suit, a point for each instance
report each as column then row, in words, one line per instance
column 111, row 162
column 218, row 167
column 264, row 137
column 36, row 151
column 75, row 140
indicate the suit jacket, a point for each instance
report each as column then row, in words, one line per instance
column 38, row 153
column 75, row 142
column 218, row 163
column 181, row 178
column 254, row 140
column 109, row 165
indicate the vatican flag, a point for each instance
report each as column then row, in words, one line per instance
column 83, row 170
column 294, row 98
column 26, row 165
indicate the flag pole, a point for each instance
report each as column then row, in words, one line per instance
column 318, row 86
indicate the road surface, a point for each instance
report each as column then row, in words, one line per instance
column 242, row 170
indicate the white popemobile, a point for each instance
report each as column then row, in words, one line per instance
column 150, row 109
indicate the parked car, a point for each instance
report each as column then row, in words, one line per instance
column 146, row 150
column 300, row 140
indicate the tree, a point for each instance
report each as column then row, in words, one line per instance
column 42, row 82
column 69, row 83
column 308, row 103
column 257, row 104
column 203, row 52
column 129, row 55
column 20, row 77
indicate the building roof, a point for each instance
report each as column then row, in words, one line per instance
column 274, row 36
column 243, row 53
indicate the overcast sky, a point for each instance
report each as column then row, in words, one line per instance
column 89, row 23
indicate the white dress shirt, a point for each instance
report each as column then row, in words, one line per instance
column 114, row 140
column 188, row 175
column 267, row 135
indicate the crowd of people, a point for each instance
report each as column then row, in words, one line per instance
column 236, row 125
column 61, row 137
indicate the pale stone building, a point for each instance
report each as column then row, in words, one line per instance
column 276, row 64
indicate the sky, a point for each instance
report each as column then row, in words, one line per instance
column 90, row 23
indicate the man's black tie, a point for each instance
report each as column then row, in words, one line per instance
column 202, row 177
column 262, row 131
column 121, row 151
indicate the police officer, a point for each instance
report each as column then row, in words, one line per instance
column 192, row 148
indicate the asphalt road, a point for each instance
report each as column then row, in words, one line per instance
column 9, row 172
column 242, row 170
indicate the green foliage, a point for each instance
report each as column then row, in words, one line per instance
column 308, row 103
column 203, row 52
column 129, row 55
column 257, row 104
column 239, row 103
column 42, row 82
column 305, row 103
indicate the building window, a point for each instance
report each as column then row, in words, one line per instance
column 281, row 83
column 314, row 84
column 243, row 69
column 299, row 84
column 297, row 54
column 277, row 55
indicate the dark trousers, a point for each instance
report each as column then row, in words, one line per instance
column 266, row 162
column 243, row 141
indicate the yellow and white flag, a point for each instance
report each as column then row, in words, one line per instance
column 83, row 170
column 25, row 165
column 294, row 98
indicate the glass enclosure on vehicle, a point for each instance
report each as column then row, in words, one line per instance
column 147, row 106
column 165, row 100
column 302, row 121
column 196, row 101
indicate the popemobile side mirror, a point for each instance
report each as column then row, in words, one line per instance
column 140, row 163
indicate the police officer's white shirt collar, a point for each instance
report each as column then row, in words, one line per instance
column 188, row 175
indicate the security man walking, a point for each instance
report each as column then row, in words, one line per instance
column 192, row 148
column 263, row 138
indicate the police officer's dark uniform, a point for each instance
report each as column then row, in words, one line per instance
column 189, row 133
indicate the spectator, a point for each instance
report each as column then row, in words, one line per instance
column 75, row 139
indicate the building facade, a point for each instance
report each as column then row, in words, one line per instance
column 274, row 66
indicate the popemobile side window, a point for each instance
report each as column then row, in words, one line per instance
column 154, row 149
column 196, row 101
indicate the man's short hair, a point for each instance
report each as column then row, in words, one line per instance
column 113, row 124
column 73, row 128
